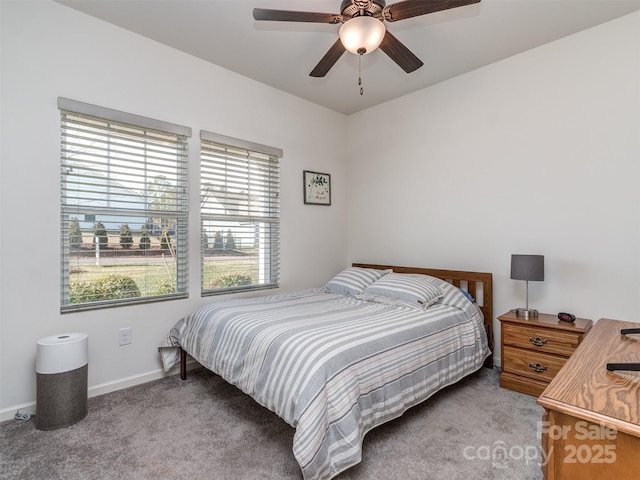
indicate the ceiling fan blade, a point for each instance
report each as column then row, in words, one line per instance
column 399, row 53
column 329, row 60
column 292, row 16
column 414, row 8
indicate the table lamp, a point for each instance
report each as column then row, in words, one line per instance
column 528, row 268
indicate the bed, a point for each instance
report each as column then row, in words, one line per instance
column 336, row 361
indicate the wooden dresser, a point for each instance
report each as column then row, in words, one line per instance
column 535, row 349
column 591, row 424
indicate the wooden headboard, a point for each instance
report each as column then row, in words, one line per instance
column 478, row 284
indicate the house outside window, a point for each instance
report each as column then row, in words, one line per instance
column 240, row 214
column 124, row 208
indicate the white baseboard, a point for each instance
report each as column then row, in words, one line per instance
column 122, row 383
column 103, row 388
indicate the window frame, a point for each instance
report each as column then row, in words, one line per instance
column 177, row 212
column 268, row 260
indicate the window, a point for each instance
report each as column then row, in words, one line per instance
column 123, row 207
column 240, row 212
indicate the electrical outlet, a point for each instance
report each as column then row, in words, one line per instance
column 125, row 336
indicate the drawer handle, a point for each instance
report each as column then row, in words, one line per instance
column 538, row 367
column 538, row 341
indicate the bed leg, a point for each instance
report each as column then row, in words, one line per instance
column 183, row 365
column 488, row 363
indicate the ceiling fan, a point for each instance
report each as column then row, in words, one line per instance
column 363, row 30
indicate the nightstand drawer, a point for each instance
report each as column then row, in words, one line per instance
column 536, row 365
column 541, row 339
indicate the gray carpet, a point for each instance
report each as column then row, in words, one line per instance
column 204, row 428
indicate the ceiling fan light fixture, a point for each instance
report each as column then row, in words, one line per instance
column 362, row 34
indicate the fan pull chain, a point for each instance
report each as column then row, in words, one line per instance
column 360, row 73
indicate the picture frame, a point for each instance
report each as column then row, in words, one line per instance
column 317, row 188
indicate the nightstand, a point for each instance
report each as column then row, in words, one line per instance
column 534, row 349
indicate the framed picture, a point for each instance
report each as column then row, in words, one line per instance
column 317, row 188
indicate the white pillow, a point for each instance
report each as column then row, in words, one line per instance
column 412, row 288
column 353, row 280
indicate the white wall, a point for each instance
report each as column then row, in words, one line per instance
column 537, row 154
column 49, row 50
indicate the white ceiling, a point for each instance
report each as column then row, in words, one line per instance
column 282, row 54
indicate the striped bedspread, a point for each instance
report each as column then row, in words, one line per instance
column 333, row 366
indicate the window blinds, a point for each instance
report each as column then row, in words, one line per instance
column 123, row 207
column 240, row 211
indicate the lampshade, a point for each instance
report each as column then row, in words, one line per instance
column 527, row 267
column 361, row 35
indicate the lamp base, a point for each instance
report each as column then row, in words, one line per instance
column 526, row 312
